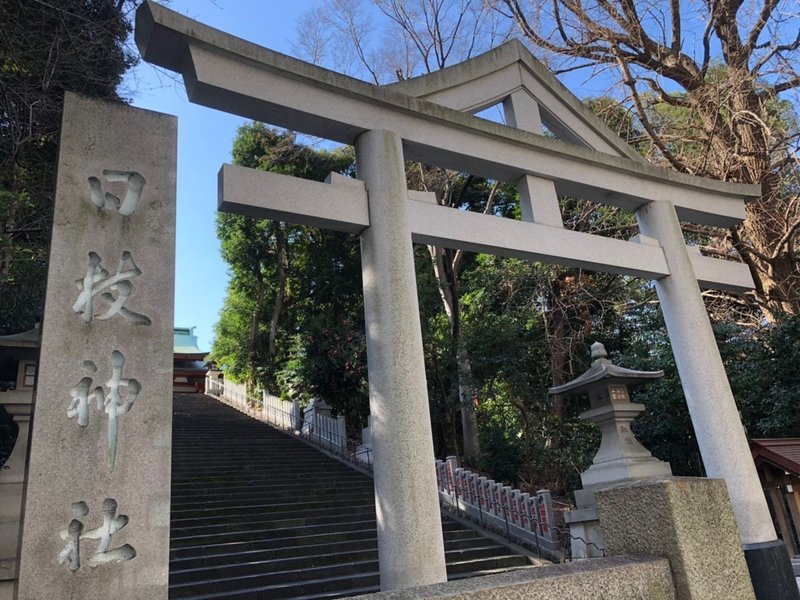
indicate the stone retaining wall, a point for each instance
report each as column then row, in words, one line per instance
column 625, row 577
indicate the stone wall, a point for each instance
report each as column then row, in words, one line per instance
column 630, row 577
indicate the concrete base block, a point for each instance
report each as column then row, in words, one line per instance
column 771, row 571
column 585, row 533
column 688, row 520
column 624, row 469
column 617, row 578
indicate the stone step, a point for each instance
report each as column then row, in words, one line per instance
column 309, row 466
column 227, row 477
column 194, row 546
column 491, row 563
column 262, row 450
column 330, row 587
column 178, row 540
column 253, row 492
column 199, row 484
column 193, row 571
column 257, row 513
column 268, row 456
column 272, row 567
column 244, row 509
column 298, row 542
column 243, row 469
column 325, row 578
column 298, row 578
column 332, row 595
column 286, row 520
column 205, row 556
column 226, row 555
column 187, row 509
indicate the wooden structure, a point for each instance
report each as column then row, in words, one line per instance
column 778, row 465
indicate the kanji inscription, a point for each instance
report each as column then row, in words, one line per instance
column 75, row 533
column 127, row 205
column 113, row 403
column 97, row 279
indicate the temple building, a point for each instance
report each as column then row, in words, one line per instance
column 778, row 465
column 188, row 362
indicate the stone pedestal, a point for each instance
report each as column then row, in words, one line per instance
column 96, row 515
column 586, row 535
column 620, row 458
column 689, row 521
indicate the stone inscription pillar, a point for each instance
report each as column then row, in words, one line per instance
column 96, row 516
column 410, row 545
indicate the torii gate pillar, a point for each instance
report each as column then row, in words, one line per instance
column 718, row 429
column 410, row 545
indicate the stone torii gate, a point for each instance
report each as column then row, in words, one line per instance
column 428, row 119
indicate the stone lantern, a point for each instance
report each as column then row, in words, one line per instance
column 620, row 457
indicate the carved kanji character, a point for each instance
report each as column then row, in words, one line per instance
column 133, row 194
column 97, row 279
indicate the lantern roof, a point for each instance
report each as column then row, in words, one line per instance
column 603, row 370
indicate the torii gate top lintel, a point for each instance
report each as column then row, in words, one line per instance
column 231, row 74
column 489, row 78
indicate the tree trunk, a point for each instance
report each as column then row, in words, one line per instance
column 443, row 261
column 255, row 318
column 741, row 152
column 468, row 399
column 280, row 253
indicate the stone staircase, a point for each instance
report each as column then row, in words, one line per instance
column 257, row 513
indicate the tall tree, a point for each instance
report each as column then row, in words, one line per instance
column 725, row 69
column 46, row 48
column 283, row 278
column 386, row 40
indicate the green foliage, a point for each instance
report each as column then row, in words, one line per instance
column 765, row 376
column 439, row 351
column 508, row 309
column 329, row 360
column 298, row 284
column 232, row 336
column 260, row 147
column 46, row 48
column 763, row 372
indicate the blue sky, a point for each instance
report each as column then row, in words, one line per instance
column 205, row 138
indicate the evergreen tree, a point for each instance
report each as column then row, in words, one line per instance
column 46, row 49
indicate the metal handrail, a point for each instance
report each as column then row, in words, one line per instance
column 527, row 518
